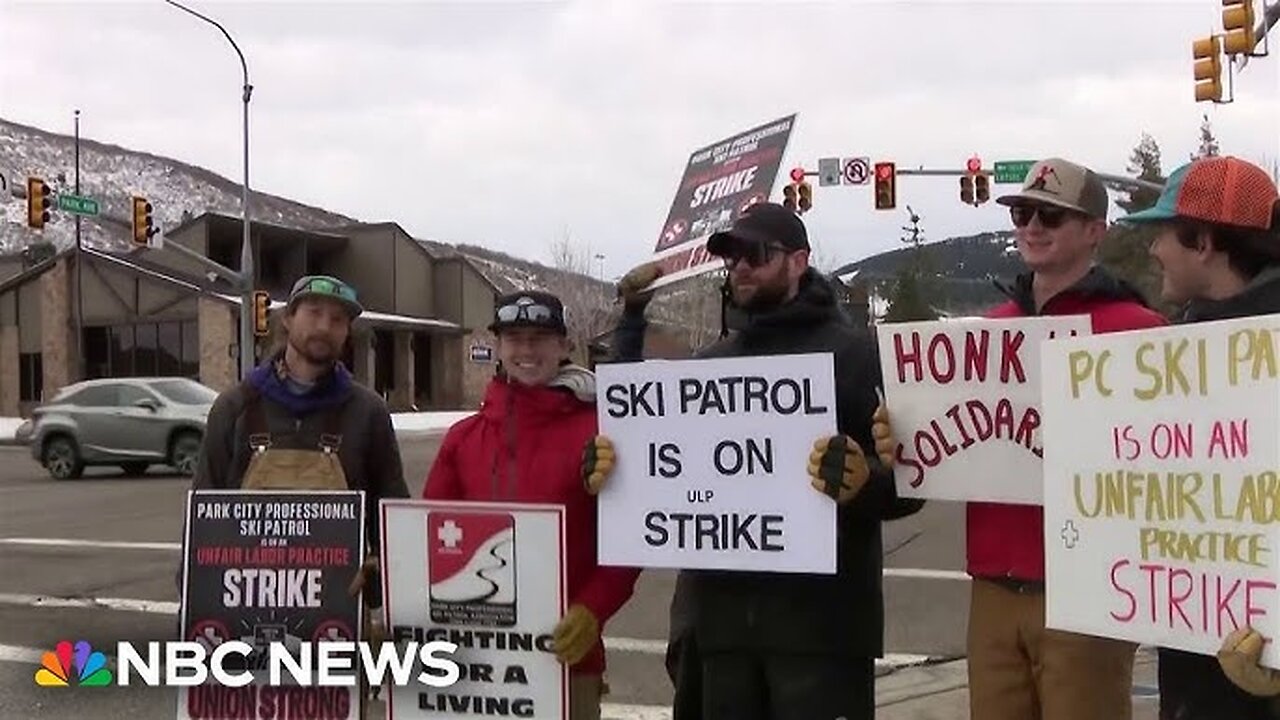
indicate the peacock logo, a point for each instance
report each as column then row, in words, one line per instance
column 77, row 664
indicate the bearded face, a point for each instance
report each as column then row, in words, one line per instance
column 317, row 330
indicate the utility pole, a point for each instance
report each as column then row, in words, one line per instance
column 81, row 364
column 247, row 343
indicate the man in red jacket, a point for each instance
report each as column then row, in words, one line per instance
column 526, row 445
column 1018, row 669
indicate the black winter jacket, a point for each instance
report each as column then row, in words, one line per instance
column 841, row 614
column 1193, row 686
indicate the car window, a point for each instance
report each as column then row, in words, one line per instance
column 185, row 392
column 130, row 394
column 96, row 396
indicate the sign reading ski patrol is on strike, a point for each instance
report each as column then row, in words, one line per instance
column 964, row 400
column 711, row 464
column 489, row 578
column 1162, row 484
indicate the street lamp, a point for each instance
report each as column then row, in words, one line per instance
column 247, row 342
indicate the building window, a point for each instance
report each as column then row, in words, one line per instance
column 168, row 349
column 30, row 377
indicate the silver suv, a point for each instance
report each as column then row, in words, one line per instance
column 130, row 422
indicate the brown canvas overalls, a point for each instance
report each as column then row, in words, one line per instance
column 272, row 468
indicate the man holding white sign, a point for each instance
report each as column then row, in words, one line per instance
column 1018, row 669
column 780, row 645
column 1222, row 260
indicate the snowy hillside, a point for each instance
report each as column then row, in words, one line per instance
column 112, row 175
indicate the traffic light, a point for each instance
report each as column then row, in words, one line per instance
column 38, row 202
column 143, row 228
column 1237, row 20
column 1208, row 69
column 886, row 186
column 789, row 197
column 981, row 188
column 261, row 308
column 966, row 189
column 805, row 193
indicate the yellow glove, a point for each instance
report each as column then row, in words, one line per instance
column 838, row 468
column 1239, row 656
column 598, row 460
column 576, row 633
column 882, row 431
column 632, row 285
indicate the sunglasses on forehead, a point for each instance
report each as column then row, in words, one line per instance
column 533, row 312
column 754, row 254
column 1050, row 216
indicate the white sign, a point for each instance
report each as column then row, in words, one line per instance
column 1161, row 490
column 857, row 171
column 964, row 401
column 489, row 578
column 711, row 464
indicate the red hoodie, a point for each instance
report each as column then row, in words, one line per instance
column 525, row 445
column 1008, row 540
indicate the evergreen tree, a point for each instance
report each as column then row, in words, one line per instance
column 1208, row 143
column 912, row 288
column 1125, row 249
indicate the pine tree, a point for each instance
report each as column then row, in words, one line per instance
column 911, row 290
column 1208, row 143
column 1125, row 249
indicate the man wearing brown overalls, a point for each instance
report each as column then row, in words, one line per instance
column 299, row 421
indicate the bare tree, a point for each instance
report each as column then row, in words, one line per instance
column 588, row 302
column 693, row 306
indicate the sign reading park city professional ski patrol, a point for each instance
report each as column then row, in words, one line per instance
column 964, row 400
column 264, row 567
column 719, row 183
column 1162, row 493
column 491, row 579
column 711, row 463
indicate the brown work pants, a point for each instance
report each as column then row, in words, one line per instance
column 585, row 693
column 1019, row 670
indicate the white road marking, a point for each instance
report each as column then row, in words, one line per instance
column 106, row 544
column 920, row 574
column 19, row 654
column 162, row 607
column 155, row 607
column 915, row 573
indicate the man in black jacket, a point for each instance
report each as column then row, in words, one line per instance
column 1217, row 240
column 754, row 645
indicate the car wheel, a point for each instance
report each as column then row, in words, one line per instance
column 134, row 468
column 184, row 452
column 62, row 458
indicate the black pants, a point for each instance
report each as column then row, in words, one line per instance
column 1193, row 687
column 742, row 686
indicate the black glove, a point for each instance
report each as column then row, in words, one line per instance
column 838, row 468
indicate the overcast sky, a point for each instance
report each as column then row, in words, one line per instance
column 508, row 124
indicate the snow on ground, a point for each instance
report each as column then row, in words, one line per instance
column 423, row 423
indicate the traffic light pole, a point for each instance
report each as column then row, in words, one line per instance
column 1114, row 180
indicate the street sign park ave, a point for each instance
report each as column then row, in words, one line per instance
column 78, row 205
column 1013, row 171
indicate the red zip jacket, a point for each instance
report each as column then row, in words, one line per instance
column 525, row 445
column 1007, row 541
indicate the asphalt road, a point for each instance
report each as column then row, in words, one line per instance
column 58, row 581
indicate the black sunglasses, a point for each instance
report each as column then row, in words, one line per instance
column 755, row 254
column 1050, row 216
column 533, row 312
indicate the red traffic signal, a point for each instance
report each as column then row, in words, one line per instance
column 797, row 174
column 886, row 186
column 974, row 165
